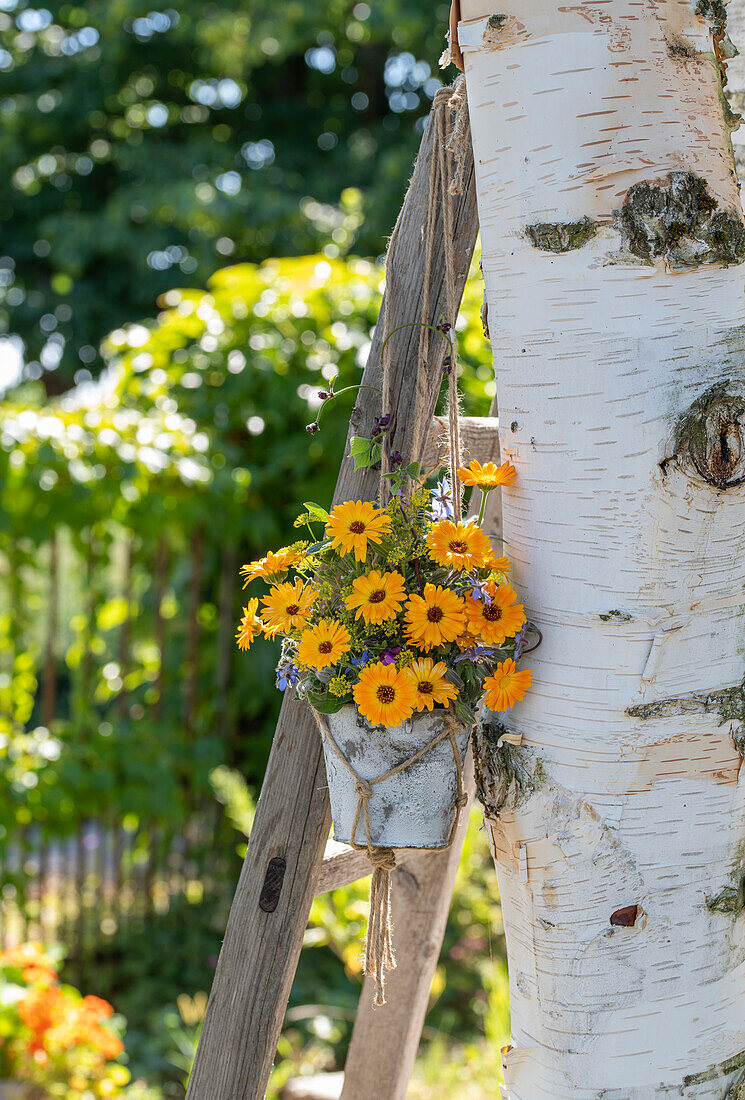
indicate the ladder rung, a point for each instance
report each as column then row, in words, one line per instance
column 341, row 866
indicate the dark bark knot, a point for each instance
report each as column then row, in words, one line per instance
column 710, row 437
column 681, row 223
column 625, row 917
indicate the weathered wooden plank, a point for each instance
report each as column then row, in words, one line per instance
column 385, row 1041
column 341, row 866
column 266, row 926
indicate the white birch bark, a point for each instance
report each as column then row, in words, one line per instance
column 626, row 529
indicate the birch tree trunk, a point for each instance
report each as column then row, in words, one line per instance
column 612, row 247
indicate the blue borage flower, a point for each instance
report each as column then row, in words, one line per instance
column 441, row 504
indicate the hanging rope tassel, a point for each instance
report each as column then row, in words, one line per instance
column 379, row 955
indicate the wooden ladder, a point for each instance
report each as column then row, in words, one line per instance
column 290, row 859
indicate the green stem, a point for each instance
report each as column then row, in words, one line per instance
column 482, row 508
column 416, row 324
column 337, row 393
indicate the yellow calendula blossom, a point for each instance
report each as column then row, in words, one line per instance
column 274, row 566
column 323, row 644
column 458, row 545
column 496, row 621
column 377, row 596
column 385, row 695
column 434, row 618
column 250, row 625
column 287, row 607
column 489, row 476
column 430, row 683
column 351, row 525
column 507, row 686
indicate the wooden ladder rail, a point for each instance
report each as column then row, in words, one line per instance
column 264, row 934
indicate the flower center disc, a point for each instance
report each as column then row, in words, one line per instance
column 492, row 613
column 458, row 547
column 377, row 596
column 425, row 687
column 357, row 527
column 293, row 609
column 386, row 694
column 325, row 647
column 434, row 614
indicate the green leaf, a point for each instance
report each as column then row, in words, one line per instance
column 364, row 452
column 315, row 511
column 413, row 469
column 325, row 703
column 464, row 712
column 317, row 547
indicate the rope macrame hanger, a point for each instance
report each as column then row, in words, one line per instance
column 450, row 119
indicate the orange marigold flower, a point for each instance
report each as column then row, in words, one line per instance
column 385, row 695
column 287, row 607
column 352, row 524
column 430, row 683
column 507, row 686
column 250, row 625
column 496, row 621
column 497, row 563
column 435, row 617
column 32, row 960
column 323, row 644
column 377, row 596
column 273, row 567
column 488, row 476
column 458, row 545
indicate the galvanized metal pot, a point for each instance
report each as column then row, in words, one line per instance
column 417, row 807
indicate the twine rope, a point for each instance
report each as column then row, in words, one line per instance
column 450, row 120
column 379, row 953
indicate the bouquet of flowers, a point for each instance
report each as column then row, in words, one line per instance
column 394, row 609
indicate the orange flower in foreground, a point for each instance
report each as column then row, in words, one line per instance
column 458, row 545
column 323, row 644
column 507, row 686
column 435, row 617
column 273, row 567
column 250, row 625
column 496, row 621
column 377, row 596
column 430, row 683
column 385, row 695
column 287, row 607
column 350, row 525
column 488, row 476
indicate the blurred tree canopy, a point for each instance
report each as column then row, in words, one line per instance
column 143, row 145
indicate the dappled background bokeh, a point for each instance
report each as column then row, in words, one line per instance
column 193, row 206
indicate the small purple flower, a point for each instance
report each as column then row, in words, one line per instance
column 324, row 395
column 388, row 656
column 479, row 590
column 441, row 501
column 396, row 458
column 313, row 428
column 444, row 326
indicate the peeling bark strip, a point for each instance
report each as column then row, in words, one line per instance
column 636, row 578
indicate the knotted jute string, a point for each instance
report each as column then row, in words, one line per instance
column 379, row 954
column 449, row 117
